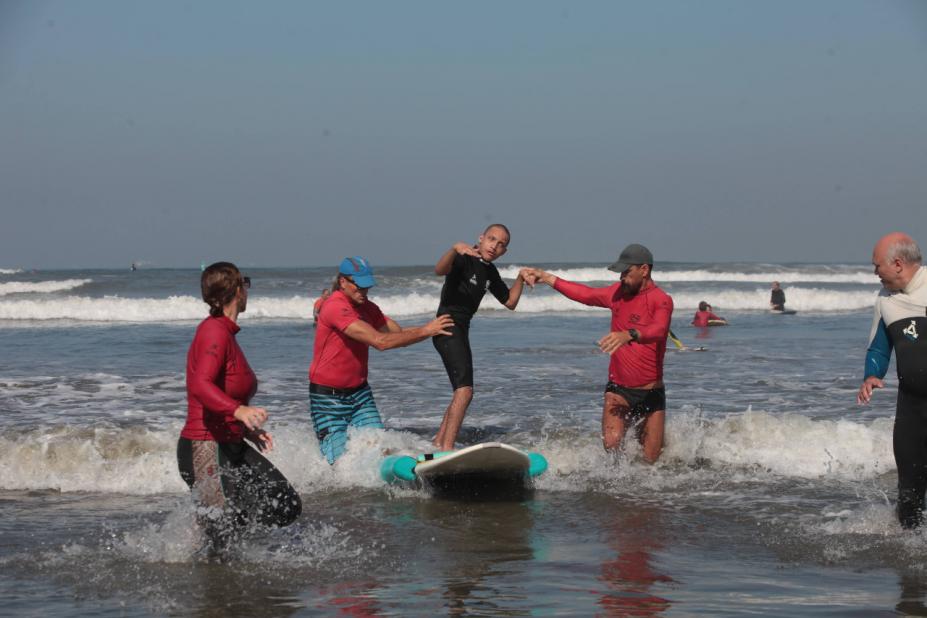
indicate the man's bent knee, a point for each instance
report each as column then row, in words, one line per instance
column 611, row 443
column 652, row 435
column 652, row 455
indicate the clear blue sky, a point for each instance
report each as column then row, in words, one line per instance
column 294, row 133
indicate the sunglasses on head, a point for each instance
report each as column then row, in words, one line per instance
column 246, row 282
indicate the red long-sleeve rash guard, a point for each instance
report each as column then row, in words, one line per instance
column 701, row 318
column 649, row 312
column 219, row 380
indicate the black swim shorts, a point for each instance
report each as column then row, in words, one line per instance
column 455, row 352
column 642, row 401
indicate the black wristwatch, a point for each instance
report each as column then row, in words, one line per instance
column 634, row 334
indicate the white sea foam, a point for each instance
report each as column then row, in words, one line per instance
column 106, row 309
column 120, row 309
column 862, row 277
column 699, row 275
column 10, row 271
column 143, row 461
column 788, row 445
column 738, row 448
column 800, row 299
column 40, row 287
column 110, row 460
column 182, row 308
column 546, row 301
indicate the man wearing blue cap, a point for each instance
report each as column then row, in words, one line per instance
column 348, row 325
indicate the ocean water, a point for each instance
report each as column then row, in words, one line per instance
column 774, row 495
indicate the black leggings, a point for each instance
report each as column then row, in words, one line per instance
column 455, row 352
column 909, row 440
column 233, row 486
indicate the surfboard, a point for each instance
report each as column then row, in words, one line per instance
column 681, row 347
column 717, row 322
column 783, row 311
column 481, row 467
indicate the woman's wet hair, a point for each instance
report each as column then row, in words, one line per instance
column 703, row 306
column 219, row 284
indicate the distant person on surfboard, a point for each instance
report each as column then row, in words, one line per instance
column 349, row 324
column 469, row 273
column 317, row 306
column 704, row 316
column 777, row 297
column 641, row 314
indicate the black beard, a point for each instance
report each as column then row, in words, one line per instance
column 631, row 291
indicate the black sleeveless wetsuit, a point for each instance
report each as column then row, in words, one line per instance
column 463, row 290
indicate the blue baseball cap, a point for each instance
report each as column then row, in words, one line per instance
column 359, row 270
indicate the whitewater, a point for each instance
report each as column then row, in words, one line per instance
column 825, row 288
column 774, row 486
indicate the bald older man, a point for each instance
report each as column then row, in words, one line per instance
column 900, row 323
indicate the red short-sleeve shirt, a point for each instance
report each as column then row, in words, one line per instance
column 338, row 360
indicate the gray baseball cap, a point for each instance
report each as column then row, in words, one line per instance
column 632, row 255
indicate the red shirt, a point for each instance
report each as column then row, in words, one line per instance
column 701, row 318
column 337, row 360
column 634, row 364
column 219, row 380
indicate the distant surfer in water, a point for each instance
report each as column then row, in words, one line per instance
column 232, row 482
column 349, row 324
column 641, row 314
column 704, row 315
column 317, row 306
column 468, row 272
column 900, row 323
column 777, row 297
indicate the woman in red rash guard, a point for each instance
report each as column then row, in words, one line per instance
column 232, row 483
column 704, row 316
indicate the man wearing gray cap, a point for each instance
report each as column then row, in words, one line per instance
column 641, row 314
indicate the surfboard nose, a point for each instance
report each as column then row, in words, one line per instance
column 537, row 464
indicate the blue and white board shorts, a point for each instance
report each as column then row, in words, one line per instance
column 333, row 410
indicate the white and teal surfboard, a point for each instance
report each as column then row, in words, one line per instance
column 489, row 461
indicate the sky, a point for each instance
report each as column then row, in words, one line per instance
column 295, row 133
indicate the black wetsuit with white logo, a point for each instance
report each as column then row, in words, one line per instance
column 900, row 324
column 464, row 288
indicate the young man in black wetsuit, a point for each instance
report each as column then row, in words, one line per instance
column 469, row 273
